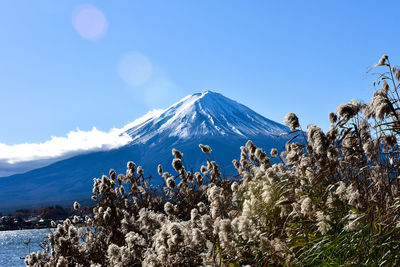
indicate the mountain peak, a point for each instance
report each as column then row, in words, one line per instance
column 208, row 92
column 209, row 96
column 204, row 114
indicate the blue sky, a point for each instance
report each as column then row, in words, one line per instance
column 276, row 57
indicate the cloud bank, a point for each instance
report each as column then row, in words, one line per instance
column 21, row 158
column 78, row 141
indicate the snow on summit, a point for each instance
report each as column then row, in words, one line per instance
column 207, row 113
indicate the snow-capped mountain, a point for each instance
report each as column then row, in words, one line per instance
column 204, row 114
column 207, row 118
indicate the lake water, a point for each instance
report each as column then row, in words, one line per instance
column 12, row 245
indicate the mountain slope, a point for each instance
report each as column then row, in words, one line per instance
column 207, row 118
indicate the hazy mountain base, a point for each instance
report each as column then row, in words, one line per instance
column 64, row 182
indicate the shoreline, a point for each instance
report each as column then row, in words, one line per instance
column 25, row 228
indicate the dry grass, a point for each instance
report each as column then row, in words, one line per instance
column 333, row 200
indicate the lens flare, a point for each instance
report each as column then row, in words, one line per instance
column 89, row 22
column 135, row 69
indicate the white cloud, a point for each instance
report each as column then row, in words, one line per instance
column 21, row 158
column 75, row 141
